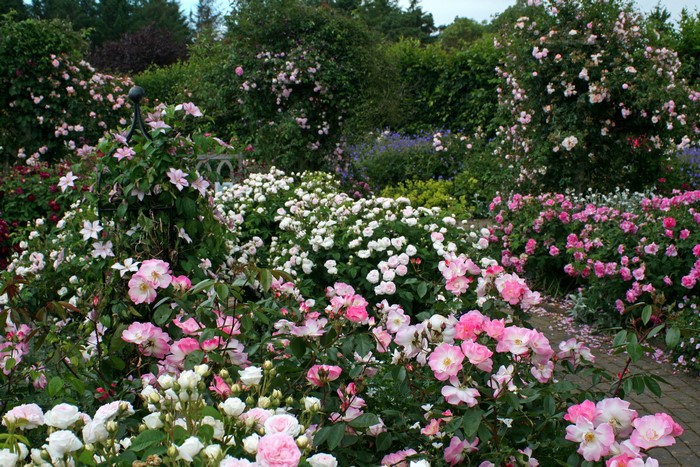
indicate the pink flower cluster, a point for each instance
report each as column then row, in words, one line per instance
column 345, row 302
column 611, row 428
column 152, row 275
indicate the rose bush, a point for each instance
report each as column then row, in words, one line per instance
column 591, row 98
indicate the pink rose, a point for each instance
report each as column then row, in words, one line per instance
column 282, row 423
column 277, row 450
column 319, row 375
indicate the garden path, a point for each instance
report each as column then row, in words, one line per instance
column 680, row 398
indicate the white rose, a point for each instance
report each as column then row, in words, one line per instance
column 251, row 376
column 218, row 426
column 373, row 276
column 213, row 451
column 8, row 458
column 188, row 380
column 250, row 443
column 153, row 421
column 310, row 402
column 95, row 432
column 232, row 406
column 166, row 381
column 61, row 443
column 420, row 463
column 401, row 270
column 62, row 416
column 189, row 449
column 411, row 250
column 322, row 460
column 389, row 275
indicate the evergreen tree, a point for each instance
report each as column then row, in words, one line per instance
column 206, row 18
column 18, row 6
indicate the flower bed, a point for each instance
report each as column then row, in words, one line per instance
column 625, row 250
column 141, row 331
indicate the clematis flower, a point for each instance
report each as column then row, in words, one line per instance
column 178, row 178
column 90, row 229
column 67, row 181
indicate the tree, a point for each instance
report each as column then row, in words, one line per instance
column 460, row 33
column 80, row 13
column 113, row 19
column 207, row 18
column 165, row 15
column 18, row 6
column 136, row 51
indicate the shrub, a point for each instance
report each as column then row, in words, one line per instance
column 591, row 100
column 446, row 88
column 53, row 103
column 392, row 158
column 300, row 70
column 432, row 193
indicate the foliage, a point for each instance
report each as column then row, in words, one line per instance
column 136, row 51
column 433, row 193
column 299, row 71
column 387, row 17
column 28, row 193
column 54, row 103
column 446, row 88
column 460, row 33
column 590, row 100
column 391, row 158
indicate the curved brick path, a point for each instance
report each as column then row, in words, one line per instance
column 680, row 398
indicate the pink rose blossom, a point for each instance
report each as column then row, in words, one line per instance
column 141, row 289
column 455, row 452
column 319, row 375
column 478, row 355
column 651, row 431
column 595, row 441
column 445, row 361
column 277, row 450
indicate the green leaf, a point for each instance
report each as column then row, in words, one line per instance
column 422, row 289
column 471, row 421
column 147, row 439
column 298, row 347
column 265, row 278
column 620, row 338
column 121, row 210
column 205, row 284
column 634, row 350
column 655, row 331
column 221, row 291
column 162, row 314
column 549, row 405
column 365, row 420
column 55, row 386
column 86, row 458
column 383, row 441
column 653, row 386
column 335, row 435
column 673, row 336
column 646, row 314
